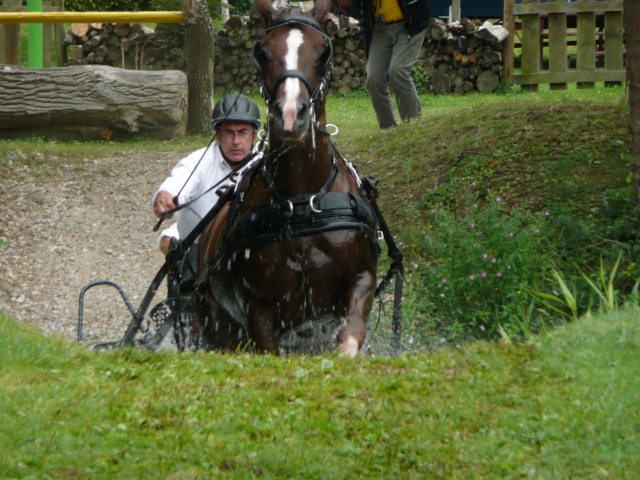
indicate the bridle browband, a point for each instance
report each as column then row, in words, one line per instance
column 317, row 93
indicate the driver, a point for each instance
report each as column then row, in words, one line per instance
column 236, row 119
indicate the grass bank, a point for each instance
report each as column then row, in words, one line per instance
column 563, row 405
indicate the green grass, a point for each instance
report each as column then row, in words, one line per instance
column 561, row 406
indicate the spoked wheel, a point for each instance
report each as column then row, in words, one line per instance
column 185, row 332
column 154, row 327
column 166, row 315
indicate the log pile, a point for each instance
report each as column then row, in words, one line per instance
column 123, row 45
column 456, row 58
column 235, row 69
column 461, row 57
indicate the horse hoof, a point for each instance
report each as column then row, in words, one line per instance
column 349, row 347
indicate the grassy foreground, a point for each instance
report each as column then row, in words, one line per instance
column 564, row 405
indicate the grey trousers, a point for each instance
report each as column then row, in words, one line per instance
column 392, row 54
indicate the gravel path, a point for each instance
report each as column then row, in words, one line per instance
column 65, row 226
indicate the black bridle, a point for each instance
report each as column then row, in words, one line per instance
column 317, row 93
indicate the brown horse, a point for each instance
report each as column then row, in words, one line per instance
column 290, row 264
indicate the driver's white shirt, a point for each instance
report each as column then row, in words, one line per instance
column 211, row 169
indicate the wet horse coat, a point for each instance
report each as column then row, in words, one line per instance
column 290, row 263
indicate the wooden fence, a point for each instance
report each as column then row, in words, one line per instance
column 10, row 34
column 546, row 23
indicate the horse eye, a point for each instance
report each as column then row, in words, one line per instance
column 262, row 56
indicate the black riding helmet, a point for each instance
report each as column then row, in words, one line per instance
column 236, row 108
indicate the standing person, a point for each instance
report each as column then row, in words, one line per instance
column 195, row 178
column 393, row 32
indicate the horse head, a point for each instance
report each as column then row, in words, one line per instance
column 294, row 59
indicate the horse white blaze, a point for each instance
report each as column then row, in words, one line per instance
column 292, row 85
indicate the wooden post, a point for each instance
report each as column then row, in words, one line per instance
column 557, row 45
column 199, row 50
column 61, row 51
column 47, row 36
column 508, row 54
column 614, row 44
column 586, row 44
column 455, row 10
column 531, row 44
column 10, row 39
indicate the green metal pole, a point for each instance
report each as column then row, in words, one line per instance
column 34, row 39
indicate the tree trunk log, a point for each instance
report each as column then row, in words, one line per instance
column 200, row 55
column 632, row 32
column 76, row 102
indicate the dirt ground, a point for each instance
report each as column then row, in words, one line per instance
column 65, row 226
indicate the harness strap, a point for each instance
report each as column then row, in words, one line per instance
column 270, row 222
column 323, row 190
column 396, row 269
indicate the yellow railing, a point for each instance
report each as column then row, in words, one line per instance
column 90, row 17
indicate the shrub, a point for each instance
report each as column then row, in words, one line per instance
column 477, row 267
column 106, row 5
column 420, row 78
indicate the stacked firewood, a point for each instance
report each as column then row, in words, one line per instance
column 458, row 57
column 235, row 69
column 120, row 45
column 462, row 56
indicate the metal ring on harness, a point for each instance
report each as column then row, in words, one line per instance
column 313, row 209
column 290, row 205
column 335, row 132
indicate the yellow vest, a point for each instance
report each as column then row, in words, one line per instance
column 389, row 8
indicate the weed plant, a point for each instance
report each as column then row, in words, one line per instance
column 479, row 260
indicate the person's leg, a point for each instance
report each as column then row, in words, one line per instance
column 378, row 60
column 405, row 54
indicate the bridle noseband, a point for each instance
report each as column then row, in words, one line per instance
column 317, row 93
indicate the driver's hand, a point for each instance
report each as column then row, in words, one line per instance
column 163, row 203
column 165, row 243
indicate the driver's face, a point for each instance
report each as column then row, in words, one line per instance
column 236, row 140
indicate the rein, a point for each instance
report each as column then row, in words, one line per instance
column 230, row 175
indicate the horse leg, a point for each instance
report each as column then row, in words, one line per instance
column 217, row 329
column 360, row 301
column 262, row 331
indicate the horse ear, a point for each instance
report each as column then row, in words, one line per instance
column 320, row 10
column 267, row 12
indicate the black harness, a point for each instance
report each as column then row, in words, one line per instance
column 285, row 218
column 297, row 216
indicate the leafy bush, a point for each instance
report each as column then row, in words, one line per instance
column 239, row 7
column 420, row 78
column 478, row 264
column 107, row 5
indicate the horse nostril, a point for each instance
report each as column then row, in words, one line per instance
column 303, row 112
